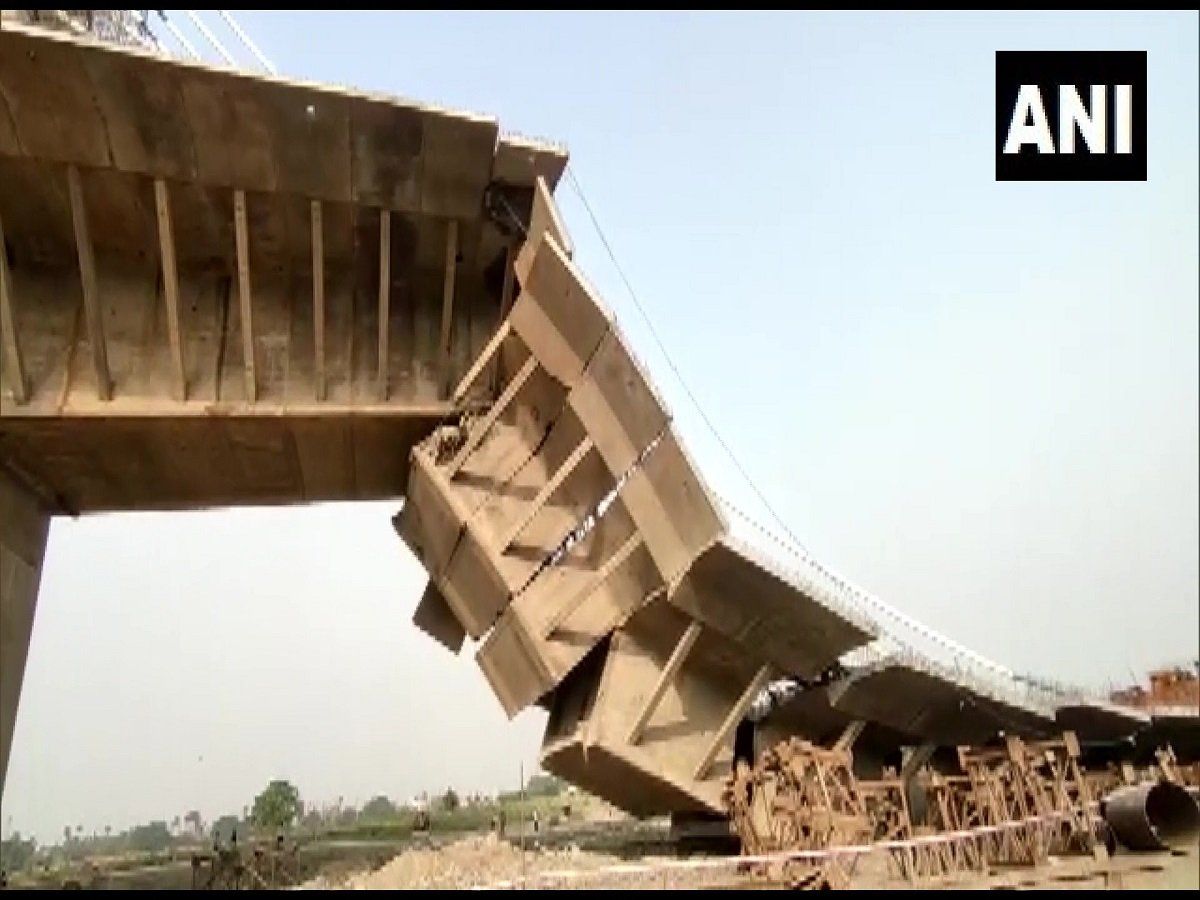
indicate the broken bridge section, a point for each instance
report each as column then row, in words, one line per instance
column 566, row 530
column 564, row 527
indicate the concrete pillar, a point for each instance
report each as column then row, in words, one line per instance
column 23, row 527
column 915, row 758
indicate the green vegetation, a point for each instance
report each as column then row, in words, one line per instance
column 471, row 814
column 225, row 827
column 150, row 838
column 16, row 853
column 378, row 809
column 544, row 786
column 278, row 807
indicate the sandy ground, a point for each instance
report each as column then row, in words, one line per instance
column 485, row 861
column 470, row 862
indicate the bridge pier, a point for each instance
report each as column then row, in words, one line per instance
column 24, row 524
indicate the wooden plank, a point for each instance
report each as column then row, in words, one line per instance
column 757, row 683
column 318, row 286
column 170, row 277
column 385, row 295
column 91, row 292
column 480, row 431
column 243, row 264
column 481, row 362
column 448, row 303
column 665, row 677
column 8, row 322
column 547, row 490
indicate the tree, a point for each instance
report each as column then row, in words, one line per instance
column 15, row 853
column 378, row 809
column 150, row 838
column 224, row 828
column 450, row 800
column 312, row 820
column 544, row 786
column 277, row 807
column 193, row 819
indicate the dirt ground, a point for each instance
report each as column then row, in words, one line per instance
column 473, row 861
column 480, row 861
column 1124, row 871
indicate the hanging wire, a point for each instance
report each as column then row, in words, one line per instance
column 178, row 35
column 671, row 362
column 210, row 37
column 246, row 40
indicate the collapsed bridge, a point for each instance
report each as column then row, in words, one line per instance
column 565, row 528
column 223, row 289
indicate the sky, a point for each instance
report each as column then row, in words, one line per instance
column 978, row 400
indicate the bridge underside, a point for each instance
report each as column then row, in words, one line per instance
column 223, row 289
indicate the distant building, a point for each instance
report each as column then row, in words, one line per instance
column 1170, row 687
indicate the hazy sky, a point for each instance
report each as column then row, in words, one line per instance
column 978, row 400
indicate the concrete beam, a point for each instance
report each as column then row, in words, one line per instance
column 242, row 239
column 13, row 360
column 88, row 282
column 665, row 677
column 318, row 287
column 170, row 282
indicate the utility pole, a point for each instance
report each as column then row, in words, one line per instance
column 522, row 820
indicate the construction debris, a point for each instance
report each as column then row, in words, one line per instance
column 470, row 862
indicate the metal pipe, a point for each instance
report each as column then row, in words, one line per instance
column 1153, row 816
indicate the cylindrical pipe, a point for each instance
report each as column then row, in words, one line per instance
column 1153, row 816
